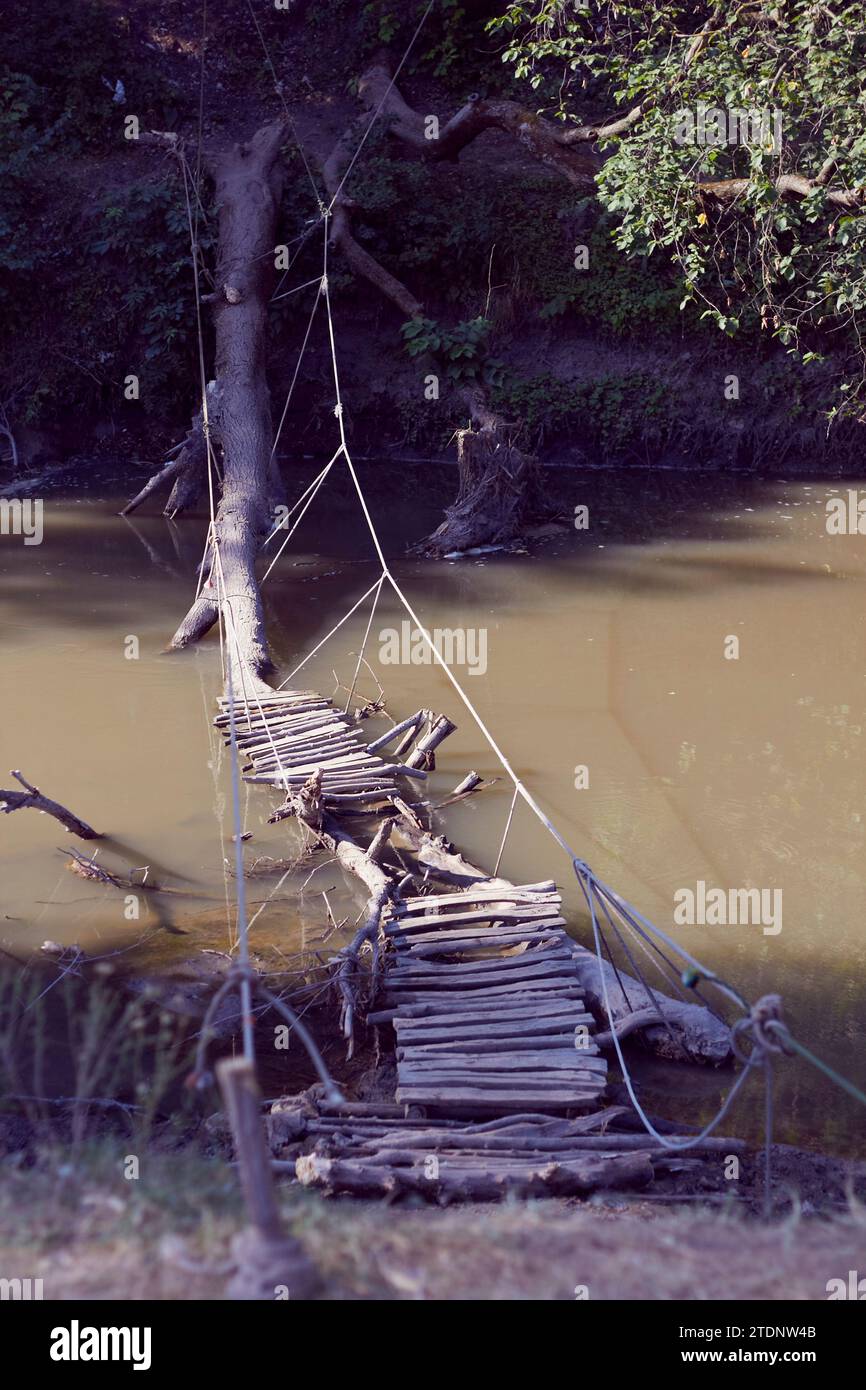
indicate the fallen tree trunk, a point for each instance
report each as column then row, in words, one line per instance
column 235, row 422
column 247, row 187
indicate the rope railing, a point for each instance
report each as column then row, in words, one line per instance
column 761, row 1023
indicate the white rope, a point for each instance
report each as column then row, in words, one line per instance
column 505, row 833
column 278, row 88
column 302, row 239
column 378, row 110
column 334, row 629
column 241, row 889
column 307, row 505
column 521, row 790
column 294, row 507
column 506, row 765
column 662, row 1139
column 275, row 299
column 581, row 868
column 297, row 369
column 226, row 602
column 364, row 643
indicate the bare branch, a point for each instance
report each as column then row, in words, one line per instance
column 32, row 797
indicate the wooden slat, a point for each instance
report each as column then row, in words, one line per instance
column 530, row 915
column 494, row 1064
column 469, row 895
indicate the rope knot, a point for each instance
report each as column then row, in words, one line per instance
column 766, row 1027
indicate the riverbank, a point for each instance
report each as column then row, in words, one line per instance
column 88, row 1232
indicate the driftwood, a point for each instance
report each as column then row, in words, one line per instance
column 459, row 1181
column 697, row 1034
column 380, row 886
column 33, row 798
column 424, row 754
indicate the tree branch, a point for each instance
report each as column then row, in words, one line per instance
column 32, row 797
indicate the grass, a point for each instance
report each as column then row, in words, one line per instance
column 90, row 1232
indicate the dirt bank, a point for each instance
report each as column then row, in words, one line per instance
column 88, row 1232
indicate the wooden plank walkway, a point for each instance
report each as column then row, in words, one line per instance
column 288, row 734
column 484, row 1000
column 500, row 1085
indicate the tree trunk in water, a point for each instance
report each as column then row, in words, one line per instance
column 248, row 184
column 499, row 489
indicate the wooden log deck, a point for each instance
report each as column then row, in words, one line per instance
column 288, row 735
column 500, row 1084
column 481, row 990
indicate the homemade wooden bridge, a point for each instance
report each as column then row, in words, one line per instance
column 500, row 1083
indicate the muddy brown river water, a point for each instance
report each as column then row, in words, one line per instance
column 670, row 755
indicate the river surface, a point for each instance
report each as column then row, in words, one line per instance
column 735, row 764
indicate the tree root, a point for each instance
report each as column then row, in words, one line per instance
column 187, row 472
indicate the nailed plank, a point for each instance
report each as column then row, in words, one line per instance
column 540, row 1079
column 257, row 720
column 428, row 900
column 406, row 967
column 555, row 1059
column 530, row 915
column 468, row 999
column 467, row 1097
column 450, row 943
column 462, row 1045
column 402, row 980
column 535, row 1010
column 484, row 1029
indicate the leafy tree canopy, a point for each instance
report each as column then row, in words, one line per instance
column 736, row 143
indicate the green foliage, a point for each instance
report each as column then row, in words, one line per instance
column 450, row 43
column 129, row 306
column 789, row 267
column 143, row 236
column 459, row 237
column 610, row 413
column 20, row 142
column 462, row 348
column 66, row 50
